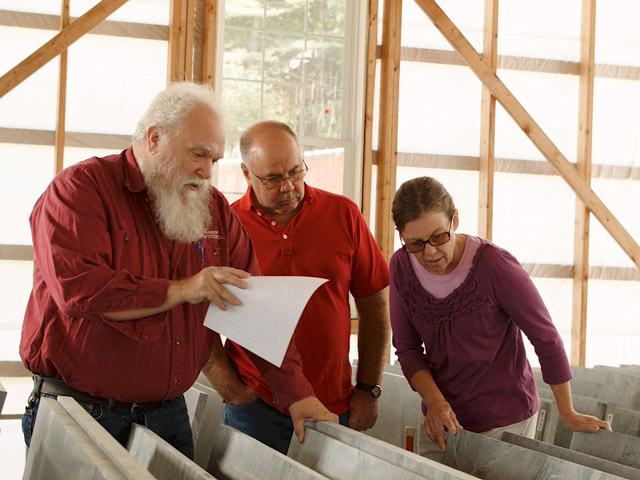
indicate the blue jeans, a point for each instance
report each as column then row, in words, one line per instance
column 169, row 421
column 265, row 423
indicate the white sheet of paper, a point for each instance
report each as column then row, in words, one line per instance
column 270, row 310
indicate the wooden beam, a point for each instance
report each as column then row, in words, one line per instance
column 57, row 44
column 210, row 32
column 488, row 124
column 58, row 145
column 388, row 124
column 537, row 136
column 583, row 165
column 188, row 40
column 181, row 33
column 370, row 90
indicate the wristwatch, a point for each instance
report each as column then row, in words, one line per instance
column 374, row 390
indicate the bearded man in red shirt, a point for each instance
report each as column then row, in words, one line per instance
column 129, row 250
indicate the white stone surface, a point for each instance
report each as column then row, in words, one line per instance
column 196, row 401
column 396, row 456
column 116, row 453
column 61, row 450
column 612, row 446
column 236, row 456
column 160, row 458
column 211, row 419
column 492, row 459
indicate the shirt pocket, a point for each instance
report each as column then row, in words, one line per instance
column 128, row 253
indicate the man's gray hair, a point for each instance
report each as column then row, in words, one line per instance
column 170, row 106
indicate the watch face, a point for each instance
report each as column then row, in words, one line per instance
column 376, row 391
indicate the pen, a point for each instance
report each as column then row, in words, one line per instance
column 201, row 248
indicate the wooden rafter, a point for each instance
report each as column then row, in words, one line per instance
column 57, row 44
column 583, row 165
column 388, row 124
column 528, row 125
column 488, row 124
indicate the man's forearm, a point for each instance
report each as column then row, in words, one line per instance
column 373, row 336
column 221, row 374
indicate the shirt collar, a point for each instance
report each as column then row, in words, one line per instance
column 245, row 203
column 133, row 176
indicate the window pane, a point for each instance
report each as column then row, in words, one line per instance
column 241, row 102
column 322, row 112
column 326, row 17
column 285, row 15
column 324, row 64
column 284, row 58
column 244, row 13
column 243, row 54
column 282, row 102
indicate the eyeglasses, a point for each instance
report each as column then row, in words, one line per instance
column 272, row 183
column 434, row 240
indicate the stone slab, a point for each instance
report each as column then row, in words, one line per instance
column 626, row 397
column 116, row 453
column 612, row 446
column 196, row 401
column 493, row 459
column 211, row 419
column 554, row 431
column 623, row 371
column 61, row 450
column 161, row 459
column 337, row 460
column 572, row 456
column 617, row 378
column 236, row 456
column 624, row 421
column 3, row 396
column 398, row 407
column 392, row 454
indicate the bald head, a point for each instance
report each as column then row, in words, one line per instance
column 257, row 134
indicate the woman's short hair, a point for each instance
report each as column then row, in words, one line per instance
column 170, row 106
column 418, row 196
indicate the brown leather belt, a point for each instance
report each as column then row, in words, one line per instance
column 48, row 387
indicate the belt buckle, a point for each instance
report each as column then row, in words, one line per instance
column 134, row 405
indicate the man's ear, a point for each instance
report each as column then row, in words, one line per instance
column 153, row 139
column 246, row 173
column 456, row 220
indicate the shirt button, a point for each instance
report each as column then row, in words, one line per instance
column 175, row 380
column 285, row 236
column 259, row 214
column 178, row 342
column 273, row 223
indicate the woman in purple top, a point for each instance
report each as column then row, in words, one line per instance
column 458, row 305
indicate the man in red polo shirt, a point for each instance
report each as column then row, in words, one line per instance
column 300, row 230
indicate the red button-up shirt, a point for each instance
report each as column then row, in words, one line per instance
column 98, row 250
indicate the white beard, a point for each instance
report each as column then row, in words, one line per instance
column 182, row 214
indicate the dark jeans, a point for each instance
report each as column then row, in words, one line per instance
column 265, row 423
column 170, row 422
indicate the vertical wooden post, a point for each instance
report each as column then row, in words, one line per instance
column 370, row 87
column 59, row 136
column 181, row 30
column 387, row 159
column 488, row 124
column 583, row 166
column 209, row 42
